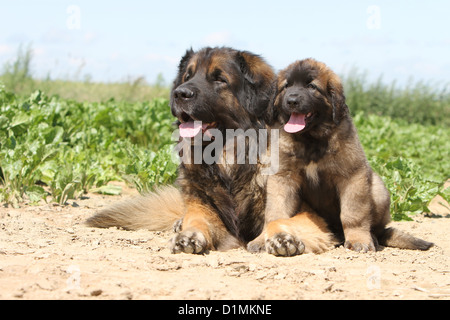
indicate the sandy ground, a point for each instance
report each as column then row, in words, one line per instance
column 47, row 253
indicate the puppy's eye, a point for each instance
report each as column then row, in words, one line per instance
column 187, row 76
column 312, row 86
column 286, row 85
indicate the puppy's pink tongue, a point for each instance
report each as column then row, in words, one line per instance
column 296, row 123
column 190, row 129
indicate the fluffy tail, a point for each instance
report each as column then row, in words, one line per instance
column 156, row 211
column 392, row 237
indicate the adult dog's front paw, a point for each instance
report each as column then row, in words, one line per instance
column 189, row 242
column 257, row 245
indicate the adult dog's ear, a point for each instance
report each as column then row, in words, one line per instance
column 336, row 92
column 259, row 82
column 183, row 65
column 272, row 112
column 276, row 99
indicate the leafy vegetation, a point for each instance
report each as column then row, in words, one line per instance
column 412, row 159
column 69, row 147
column 59, row 145
column 57, row 148
column 17, row 77
column 417, row 102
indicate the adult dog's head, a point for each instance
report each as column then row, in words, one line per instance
column 221, row 87
column 309, row 99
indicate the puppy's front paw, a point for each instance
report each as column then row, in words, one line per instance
column 360, row 246
column 360, row 241
column 284, row 244
column 189, row 242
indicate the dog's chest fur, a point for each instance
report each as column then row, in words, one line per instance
column 303, row 158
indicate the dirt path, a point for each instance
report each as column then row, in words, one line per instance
column 47, row 253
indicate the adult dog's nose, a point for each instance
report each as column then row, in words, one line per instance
column 183, row 93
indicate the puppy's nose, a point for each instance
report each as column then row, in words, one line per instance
column 183, row 93
column 293, row 101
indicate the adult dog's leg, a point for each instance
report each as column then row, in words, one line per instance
column 201, row 230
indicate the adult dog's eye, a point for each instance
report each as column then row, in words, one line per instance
column 187, row 76
column 312, row 86
column 218, row 77
column 220, row 80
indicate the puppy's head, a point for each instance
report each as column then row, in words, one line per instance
column 309, row 97
column 221, row 88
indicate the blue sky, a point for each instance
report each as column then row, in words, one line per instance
column 115, row 40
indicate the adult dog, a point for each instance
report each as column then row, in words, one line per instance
column 323, row 165
column 221, row 203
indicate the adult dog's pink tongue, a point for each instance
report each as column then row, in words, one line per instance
column 191, row 128
column 296, row 123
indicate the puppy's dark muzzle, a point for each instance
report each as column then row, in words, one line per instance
column 296, row 102
column 293, row 101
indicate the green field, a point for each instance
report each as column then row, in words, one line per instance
column 75, row 136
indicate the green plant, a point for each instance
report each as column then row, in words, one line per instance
column 149, row 169
column 62, row 148
column 410, row 158
column 53, row 148
column 17, row 75
column 416, row 102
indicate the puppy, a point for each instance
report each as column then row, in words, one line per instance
column 323, row 167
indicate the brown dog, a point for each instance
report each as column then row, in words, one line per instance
column 218, row 205
column 323, row 165
column 221, row 204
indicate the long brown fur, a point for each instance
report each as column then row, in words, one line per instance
column 220, row 205
column 157, row 211
column 324, row 166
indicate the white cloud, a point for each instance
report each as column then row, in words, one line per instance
column 76, row 61
column 38, row 51
column 56, row 36
column 162, row 58
column 362, row 40
column 114, row 56
column 90, row 37
column 217, row 38
column 428, row 69
column 5, row 49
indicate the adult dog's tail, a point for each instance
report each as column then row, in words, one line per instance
column 157, row 211
column 392, row 237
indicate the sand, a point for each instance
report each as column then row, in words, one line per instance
column 46, row 252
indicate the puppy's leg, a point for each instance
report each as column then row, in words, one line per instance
column 356, row 209
column 303, row 233
column 281, row 203
column 201, row 230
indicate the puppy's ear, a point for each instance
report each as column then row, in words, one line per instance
column 336, row 92
column 259, row 79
